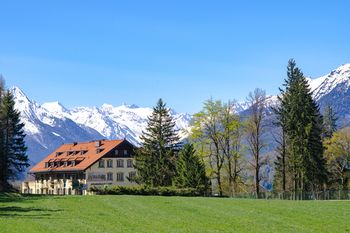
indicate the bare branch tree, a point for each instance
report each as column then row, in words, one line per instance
column 255, row 131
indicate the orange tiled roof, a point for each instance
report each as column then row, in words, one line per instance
column 73, row 152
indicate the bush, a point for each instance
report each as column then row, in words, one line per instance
column 147, row 191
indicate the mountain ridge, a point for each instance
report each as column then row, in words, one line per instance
column 50, row 124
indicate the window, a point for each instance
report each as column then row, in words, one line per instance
column 120, row 176
column 132, row 175
column 83, row 152
column 73, row 163
column 51, row 164
column 125, row 152
column 109, row 176
column 120, row 163
column 99, row 150
column 46, row 164
column 109, row 163
column 129, row 163
column 65, row 164
column 116, row 152
column 101, row 163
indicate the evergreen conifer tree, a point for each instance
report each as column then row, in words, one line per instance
column 155, row 161
column 190, row 170
column 329, row 122
column 299, row 117
column 13, row 156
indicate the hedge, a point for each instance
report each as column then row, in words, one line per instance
column 147, row 191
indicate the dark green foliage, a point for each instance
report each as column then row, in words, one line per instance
column 13, row 158
column 329, row 122
column 155, row 161
column 299, row 118
column 190, row 170
column 149, row 191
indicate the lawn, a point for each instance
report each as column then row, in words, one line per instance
column 169, row 214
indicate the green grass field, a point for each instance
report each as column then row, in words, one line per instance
column 169, row 214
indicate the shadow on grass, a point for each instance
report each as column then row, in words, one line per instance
column 23, row 212
column 15, row 197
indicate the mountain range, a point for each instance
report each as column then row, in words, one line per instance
column 49, row 125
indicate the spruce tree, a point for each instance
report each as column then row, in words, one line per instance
column 13, row 150
column 298, row 115
column 155, row 161
column 190, row 170
column 329, row 122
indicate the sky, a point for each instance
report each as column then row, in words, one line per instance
column 86, row 53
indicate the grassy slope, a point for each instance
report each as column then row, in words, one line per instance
column 169, row 214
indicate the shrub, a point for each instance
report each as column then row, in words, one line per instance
column 147, row 191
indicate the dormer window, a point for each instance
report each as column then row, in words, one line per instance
column 52, row 164
column 73, row 163
column 98, row 150
column 46, row 164
column 70, row 152
column 65, row 164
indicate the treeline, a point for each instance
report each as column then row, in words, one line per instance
column 13, row 158
column 229, row 153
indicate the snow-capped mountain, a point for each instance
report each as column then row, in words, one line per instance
column 334, row 89
column 322, row 86
column 49, row 125
column 45, row 130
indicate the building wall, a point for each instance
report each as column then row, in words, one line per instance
column 51, row 186
column 97, row 176
column 94, row 176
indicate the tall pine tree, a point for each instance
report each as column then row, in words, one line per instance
column 190, row 170
column 329, row 122
column 155, row 161
column 298, row 116
column 13, row 158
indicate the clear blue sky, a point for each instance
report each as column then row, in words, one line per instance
column 95, row 52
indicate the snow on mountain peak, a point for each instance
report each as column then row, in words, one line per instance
column 323, row 85
column 20, row 98
column 344, row 68
column 54, row 107
column 16, row 91
column 124, row 121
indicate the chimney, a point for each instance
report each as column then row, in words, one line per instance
column 75, row 143
column 98, row 143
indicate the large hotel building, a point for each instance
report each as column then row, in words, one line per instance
column 72, row 168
